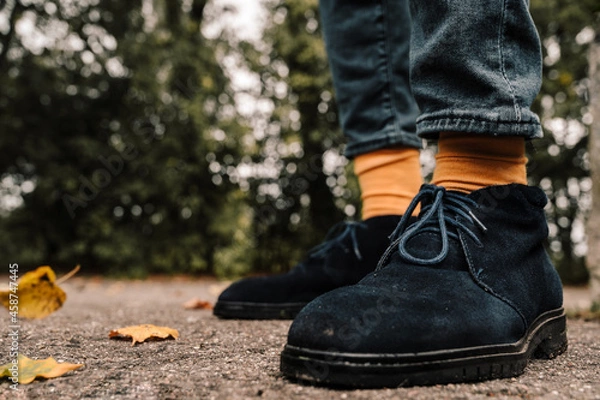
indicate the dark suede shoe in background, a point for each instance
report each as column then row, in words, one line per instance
column 351, row 250
column 466, row 293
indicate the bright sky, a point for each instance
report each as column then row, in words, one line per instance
column 246, row 19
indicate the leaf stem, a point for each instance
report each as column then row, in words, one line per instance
column 68, row 276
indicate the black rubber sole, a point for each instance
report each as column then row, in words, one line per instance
column 546, row 338
column 247, row 310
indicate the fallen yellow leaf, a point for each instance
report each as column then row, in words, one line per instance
column 37, row 292
column 141, row 333
column 29, row 369
column 197, row 304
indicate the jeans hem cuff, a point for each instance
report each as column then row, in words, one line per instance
column 389, row 141
column 429, row 128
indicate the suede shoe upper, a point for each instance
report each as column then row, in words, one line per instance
column 350, row 251
column 472, row 271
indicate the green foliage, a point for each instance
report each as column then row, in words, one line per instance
column 125, row 139
column 559, row 162
column 119, row 141
column 306, row 191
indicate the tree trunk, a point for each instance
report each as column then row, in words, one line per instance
column 593, row 224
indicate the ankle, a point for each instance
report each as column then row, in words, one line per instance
column 388, row 179
column 468, row 162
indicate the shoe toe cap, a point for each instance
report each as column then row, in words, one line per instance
column 249, row 289
column 360, row 319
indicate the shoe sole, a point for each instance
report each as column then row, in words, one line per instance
column 247, row 310
column 545, row 339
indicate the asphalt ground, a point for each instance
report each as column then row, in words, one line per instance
column 228, row 359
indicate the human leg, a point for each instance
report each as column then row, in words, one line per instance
column 368, row 48
column 467, row 292
column 377, row 115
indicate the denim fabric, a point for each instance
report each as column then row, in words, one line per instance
column 368, row 49
column 475, row 66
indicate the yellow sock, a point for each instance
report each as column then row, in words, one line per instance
column 389, row 179
column 467, row 162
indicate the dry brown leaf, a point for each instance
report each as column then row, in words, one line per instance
column 38, row 293
column 141, row 333
column 29, row 369
column 197, row 304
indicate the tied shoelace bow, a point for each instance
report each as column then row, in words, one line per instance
column 336, row 236
column 434, row 218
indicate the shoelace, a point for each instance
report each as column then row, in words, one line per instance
column 336, row 236
column 433, row 218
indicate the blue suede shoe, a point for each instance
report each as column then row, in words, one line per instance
column 350, row 251
column 466, row 293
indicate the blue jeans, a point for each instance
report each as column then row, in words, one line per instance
column 470, row 65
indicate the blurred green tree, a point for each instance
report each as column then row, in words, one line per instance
column 113, row 119
column 593, row 256
column 129, row 149
column 304, row 190
column 559, row 162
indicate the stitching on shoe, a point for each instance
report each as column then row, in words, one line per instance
column 483, row 285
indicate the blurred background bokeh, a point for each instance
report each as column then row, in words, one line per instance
column 193, row 136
